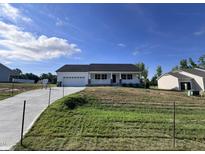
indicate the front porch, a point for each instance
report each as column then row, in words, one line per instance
column 113, row 78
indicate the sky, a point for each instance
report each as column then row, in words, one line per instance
column 40, row 38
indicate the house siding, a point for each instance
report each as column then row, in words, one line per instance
column 168, row 82
column 4, row 74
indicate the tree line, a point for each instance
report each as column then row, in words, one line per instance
column 51, row 78
column 183, row 64
column 189, row 63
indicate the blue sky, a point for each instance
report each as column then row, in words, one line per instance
column 40, row 38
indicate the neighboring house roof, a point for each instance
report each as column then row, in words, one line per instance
column 73, row 68
column 177, row 75
column 99, row 67
column 113, row 67
column 195, row 71
column 12, row 72
column 5, row 67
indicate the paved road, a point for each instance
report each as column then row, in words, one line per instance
column 11, row 112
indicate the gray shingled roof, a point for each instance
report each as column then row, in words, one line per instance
column 197, row 72
column 12, row 72
column 98, row 67
column 73, row 68
column 178, row 75
column 113, row 67
column 3, row 66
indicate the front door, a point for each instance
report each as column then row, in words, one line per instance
column 185, row 86
column 113, row 78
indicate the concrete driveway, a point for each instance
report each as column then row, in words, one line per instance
column 11, row 112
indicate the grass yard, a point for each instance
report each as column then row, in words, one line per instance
column 6, row 89
column 117, row 118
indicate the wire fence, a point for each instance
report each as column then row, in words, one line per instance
column 162, row 125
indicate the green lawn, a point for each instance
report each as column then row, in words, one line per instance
column 6, row 89
column 120, row 119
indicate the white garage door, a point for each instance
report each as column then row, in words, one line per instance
column 75, row 81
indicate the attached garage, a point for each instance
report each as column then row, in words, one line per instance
column 74, row 81
column 72, row 75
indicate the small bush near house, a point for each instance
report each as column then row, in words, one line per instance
column 202, row 94
column 124, row 85
column 75, row 100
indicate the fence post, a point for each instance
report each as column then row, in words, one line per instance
column 63, row 90
column 49, row 97
column 174, row 124
column 22, row 128
column 12, row 88
column 63, row 86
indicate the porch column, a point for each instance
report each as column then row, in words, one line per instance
column 111, row 78
column 89, row 78
column 120, row 79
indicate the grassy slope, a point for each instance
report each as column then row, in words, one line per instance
column 143, row 123
column 18, row 88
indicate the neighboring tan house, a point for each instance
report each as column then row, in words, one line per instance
column 187, row 79
column 98, row 74
column 6, row 73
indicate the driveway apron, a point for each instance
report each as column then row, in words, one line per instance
column 36, row 102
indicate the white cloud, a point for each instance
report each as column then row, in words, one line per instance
column 121, row 45
column 59, row 22
column 22, row 45
column 9, row 12
column 201, row 32
column 144, row 49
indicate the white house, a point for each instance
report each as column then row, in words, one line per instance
column 187, row 79
column 98, row 74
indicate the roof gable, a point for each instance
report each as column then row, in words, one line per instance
column 176, row 75
column 194, row 71
column 179, row 76
column 5, row 67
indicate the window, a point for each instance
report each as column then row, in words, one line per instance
column 100, row 76
column 129, row 76
column 104, row 76
column 123, row 76
column 97, row 76
column 126, row 76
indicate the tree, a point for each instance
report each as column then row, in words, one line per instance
column 29, row 76
column 51, row 78
column 158, row 74
column 159, row 71
column 183, row 64
column 192, row 64
column 176, row 68
column 153, row 80
column 144, row 72
column 18, row 71
column 202, row 61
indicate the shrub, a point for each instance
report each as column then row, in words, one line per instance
column 75, row 100
column 124, row 85
column 130, row 85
